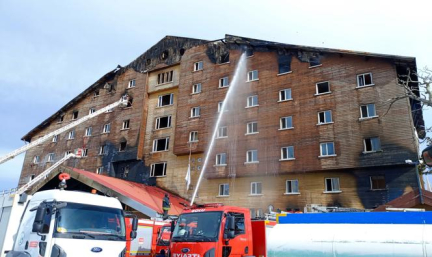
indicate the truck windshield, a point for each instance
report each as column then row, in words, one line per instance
column 81, row 221
column 197, row 227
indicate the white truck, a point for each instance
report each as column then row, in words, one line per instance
column 60, row 223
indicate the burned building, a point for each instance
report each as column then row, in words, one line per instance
column 305, row 125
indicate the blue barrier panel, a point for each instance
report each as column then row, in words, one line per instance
column 358, row 218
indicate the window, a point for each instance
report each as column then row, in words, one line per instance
column 74, row 115
column 92, row 110
column 51, row 157
column 163, row 122
column 88, row 131
column 332, row 185
column 158, row 169
column 122, row 146
column 103, row 149
column 322, row 88
column 285, row 95
column 129, row 102
column 327, row 149
column 286, row 122
column 36, row 159
column 165, row 77
column 224, row 58
column 252, row 156
column 314, row 62
column 161, row 144
column 364, row 80
column 61, row 118
column 71, row 134
column 195, row 112
column 372, row 144
column 287, row 153
column 249, row 52
column 325, row 117
column 193, row 136
column 222, row 132
column 198, row 66
column 252, row 75
column 96, row 93
column 55, row 139
column 292, row 187
column 284, row 62
column 84, row 152
column 220, row 106
column 224, row 190
column 252, row 101
column 106, row 128
column 99, row 170
column 196, row 88
column 256, row 188
column 252, row 127
column 223, row 82
column 377, row 182
column 368, row 111
column 221, row 159
column 126, row 124
column 165, row 100
column 131, row 83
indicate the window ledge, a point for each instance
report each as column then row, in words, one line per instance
column 69, row 139
column 289, row 159
column 325, row 93
column 368, row 118
column 164, row 176
column 247, row 107
column 194, row 117
column 87, row 136
column 281, row 74
column 161, row 129
column 221, row 87
column 155, row 151
column 130, row 88
column 286, row 128
column 219, row 165
column 326, row 123
column 197, row 93
column 287, row 100
column 247, row 163
column 163, row 84
column 190, row 142
column 315, row 66
column 255, row 195
column 252, row 80
column 222, row 137
column 332, row 192
column 369, row 152
column 103, row 133
column 164, row 106
column 291, row 193
column 222, row 196
column 371, row 85
column 223, row 63
column 197, row 70
column 253, row 133
column 124, row 129
column 327, row 156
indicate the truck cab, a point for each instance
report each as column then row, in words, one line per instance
column 65, row 223
column 212, row 230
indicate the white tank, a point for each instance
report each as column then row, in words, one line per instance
column 351, row 234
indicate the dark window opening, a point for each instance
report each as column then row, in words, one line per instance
column 182, row 51
column 163, row 122
column 165, row 100
column 372, row 144
column 158, row 169
column 61, row 118
column 165, row 77
column 161, row 144
column 284, row 63
column 314, row 61
column 125, row 172
column 249, row 52
column 329, row 187
column 75, row 115
column 96, row 93
column 323, row 87
column 130, row 101
column 122, row 147
column 148, row 61
column 164, row 55
column 224, row 58
column 377, row 182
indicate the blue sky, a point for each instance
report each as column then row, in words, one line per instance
column 52, row 50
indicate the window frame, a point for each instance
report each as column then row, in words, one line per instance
column 196, row 86
column 156, row 144
column 367, row 111
column 191, row 133
column 126, row 124
column 251, row 125
column 88, row 132
column 222, row 188
column 75, row 113
column 325, row 122
column 223, row 128
column 287, row 99
column 121, row 148
column 364, row 80
column 251, row 154
column 152, row 167
column 250, row 76
column 103, row 150
column 222, row 82
column 71, row 135
column 99, row 170
column 36, row 159
column 106, row 128
column 256, row 188
column 157, row 122
column 288, row 148
column 371, row 144
column 92, row 110
column 195, row 112
column 281, row 123
column 250, row 101
column 327, row 155
column 51, row 157
column 55, row 139
column 84, row 152
column 198, row 66
column 332, row 185
column 292, row 191
column 323, row 93
column 160, row 101
column 131, row 83
column 377, row 189
column 219, row 158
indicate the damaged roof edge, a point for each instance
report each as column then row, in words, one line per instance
column 27, row 137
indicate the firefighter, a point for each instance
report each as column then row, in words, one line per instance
column 166, row 206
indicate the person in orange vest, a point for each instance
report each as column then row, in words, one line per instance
column 166, row 205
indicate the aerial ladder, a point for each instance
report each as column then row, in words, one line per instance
column 122, row 102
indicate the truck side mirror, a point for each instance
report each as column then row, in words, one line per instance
column 230, row 227
column 133, row 233
column 427, row 156
column 39, row 218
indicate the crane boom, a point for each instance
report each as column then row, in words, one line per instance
column 123, row 101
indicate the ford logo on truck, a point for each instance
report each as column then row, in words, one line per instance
column 96, row 249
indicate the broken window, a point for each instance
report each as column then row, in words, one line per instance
column 126, row 124
column 287, row 153
column 131, row 83
column 96, row 93
column 164, row 55
column 314, row 61
column 252, row 128
column 61, row 118
column 284, row 62
column 285, row 95
column 193, row 136
column 88, row 131
column 372, row 144
column 106, row 128
column 322, row 87
column 198, row 66
column 122, row 147
column 158, row 169
column 165, row 100
column 249, row 52
column 74, row 115
column 224, row 58
column 165, row 77
column 286, row 122
column 161, row 144
column 163, row 122
column 325, row 117
column 364, row 80
column 129, row 103
column 195, row 112
column 368, row 111
column 377, row 182
column 252, row 75
column 252, row 101
column 223, row 82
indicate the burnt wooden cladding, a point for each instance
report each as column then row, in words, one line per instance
column 394, row 128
